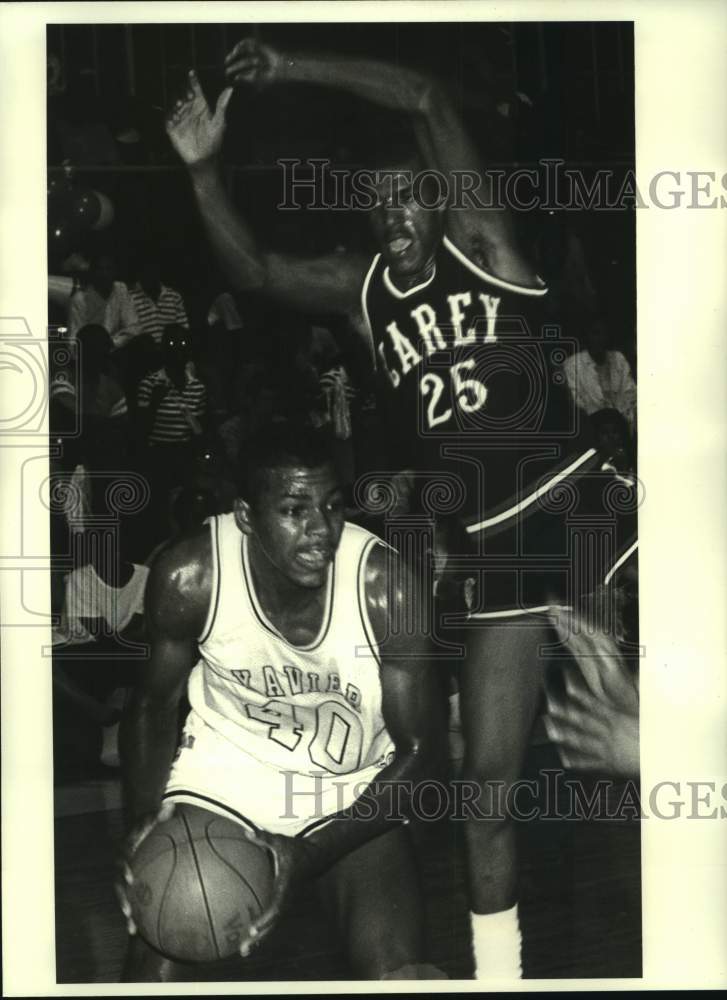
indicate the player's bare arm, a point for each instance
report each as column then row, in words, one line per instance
column 484, row 234
column 410, row 704
column 412, row 713
column 329, row 283
column 176, row 603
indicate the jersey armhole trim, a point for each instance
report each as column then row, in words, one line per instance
column 364, row 308
column 215, row 597
column 498, row 282
column 361, row 593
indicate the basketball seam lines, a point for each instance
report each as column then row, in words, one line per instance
column 164, row 894
column 201, row 883
column 231, row 867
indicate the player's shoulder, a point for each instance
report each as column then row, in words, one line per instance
column 386, row 583
column 180, row 584
column 496, row 263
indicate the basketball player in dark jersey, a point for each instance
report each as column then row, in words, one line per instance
column 470, row 399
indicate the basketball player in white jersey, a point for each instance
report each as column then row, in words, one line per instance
column 446, row 309
column 308, row 698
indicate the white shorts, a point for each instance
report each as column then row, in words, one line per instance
column 211, row 772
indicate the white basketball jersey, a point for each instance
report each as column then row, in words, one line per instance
column 305, row 709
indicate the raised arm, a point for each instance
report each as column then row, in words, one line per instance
column 485, row 234
column 329, row 284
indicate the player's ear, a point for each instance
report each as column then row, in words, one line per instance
column 242, row 515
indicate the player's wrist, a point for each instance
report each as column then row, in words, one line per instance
column 285, row 67
column 312, row 859
column 205, row 173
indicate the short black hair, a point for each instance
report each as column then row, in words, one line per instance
column 281, row 445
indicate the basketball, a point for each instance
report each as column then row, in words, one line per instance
column 198, row 885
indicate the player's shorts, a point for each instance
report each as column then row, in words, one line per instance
column 564, row 538
column 211, row 772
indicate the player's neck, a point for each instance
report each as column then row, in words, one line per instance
column 280, row 598
column 406, row 281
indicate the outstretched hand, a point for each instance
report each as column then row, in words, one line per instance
column 595, row 722
column 196, row 133
column 292, row 863
column 251, row 62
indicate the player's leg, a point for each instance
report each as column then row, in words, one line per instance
column 375, row 898
column 501, row 685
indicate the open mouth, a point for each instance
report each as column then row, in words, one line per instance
column 399, row 246
column 315, row 558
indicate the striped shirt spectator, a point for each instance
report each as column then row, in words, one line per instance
column 155, row 313
column 104, row 302
column 180, row 412
column 115, row 312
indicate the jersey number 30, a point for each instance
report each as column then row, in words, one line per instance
column 470, row 393
column 336, row 743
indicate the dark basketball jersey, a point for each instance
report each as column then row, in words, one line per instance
column 469, row 387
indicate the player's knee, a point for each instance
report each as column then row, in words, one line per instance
column 489, row 784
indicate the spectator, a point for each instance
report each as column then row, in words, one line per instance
column 172, row 405
column 601, row 379
column 103, row 609
column 89, row 398
column 157, row 306
column 171, row 400
column 103, row 599
column 613, row 440
column 224, row 312
column 88, row 387
column 104, row 302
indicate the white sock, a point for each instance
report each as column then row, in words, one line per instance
column 496, row 942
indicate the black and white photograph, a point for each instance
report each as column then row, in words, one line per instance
column 342, row 462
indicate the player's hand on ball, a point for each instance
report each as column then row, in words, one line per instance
column 292, row 863
column 125, row 878
column 251, row 62
column 195, row 132
column 595, row 721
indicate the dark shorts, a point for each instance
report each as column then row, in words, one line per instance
column 552, row 548
column 563, row 537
